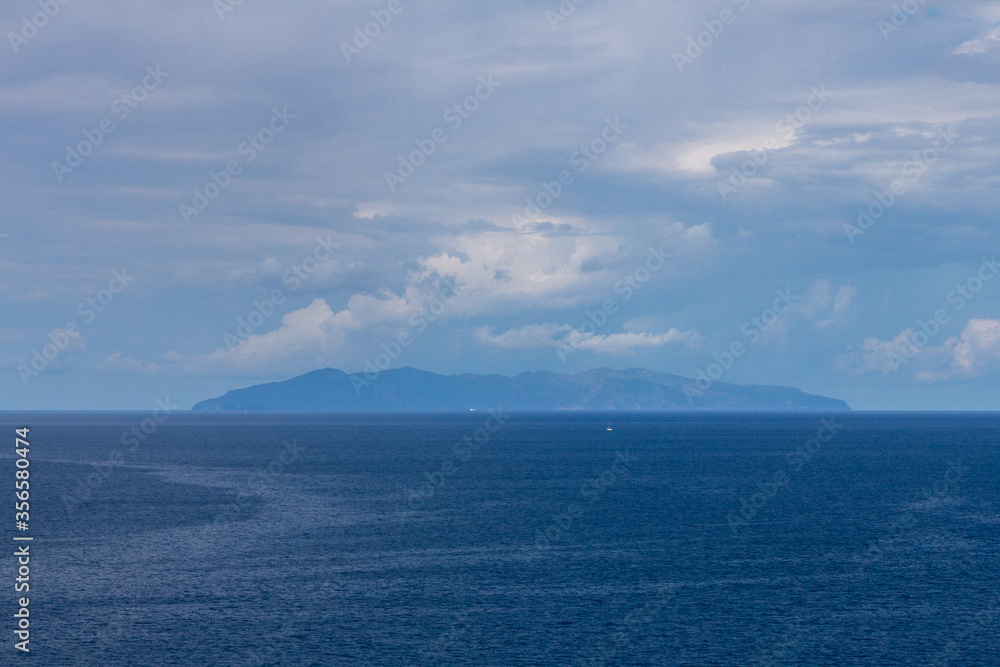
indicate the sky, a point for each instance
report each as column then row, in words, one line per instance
column 199, row 196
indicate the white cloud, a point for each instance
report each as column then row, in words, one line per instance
column 491, row 271
column 505, row 271
column 536, row 336
column 841, row 306
column 877, row 356
column 975, row 352
column 309, row 338
column 822, row 305
column 625, row 342
column 116, row 364
column 532, row 336
column 981, row 45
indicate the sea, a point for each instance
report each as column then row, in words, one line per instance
column 494, row 538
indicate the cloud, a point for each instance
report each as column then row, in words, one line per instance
column 877, row 356
column 537, row 336
column 975, row 352
column 626, row 342
column 60, row 345
column 480, row 275
column 506, row 272
column 116, row 364
column 822, row 305
column 841, row 306
column 529, row 337
column 987, row 42
column 462, row 213
column 309, row 338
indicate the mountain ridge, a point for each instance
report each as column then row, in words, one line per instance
column 409, row 389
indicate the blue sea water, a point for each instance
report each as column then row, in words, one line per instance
column 670, row 539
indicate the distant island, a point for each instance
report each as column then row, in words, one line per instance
column 411, row 390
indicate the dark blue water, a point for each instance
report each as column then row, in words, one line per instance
column 669, row 540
